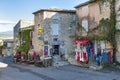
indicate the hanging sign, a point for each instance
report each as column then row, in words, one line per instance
column 40, row 38
column 40, row 29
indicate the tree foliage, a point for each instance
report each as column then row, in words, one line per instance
column 25, row 40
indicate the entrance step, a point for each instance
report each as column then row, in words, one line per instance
column 56, row 58
column 57, row 61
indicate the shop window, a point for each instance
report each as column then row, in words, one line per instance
column 45, row 50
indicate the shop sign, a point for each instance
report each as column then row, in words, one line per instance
column 40, row 38
column 40, row 29
column 57, row 43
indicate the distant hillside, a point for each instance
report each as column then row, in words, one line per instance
column 6, row 35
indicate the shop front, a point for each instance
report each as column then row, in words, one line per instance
column 81, row 50
column 90, row 52
column 56, row 48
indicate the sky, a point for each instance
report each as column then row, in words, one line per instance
column 11, row 11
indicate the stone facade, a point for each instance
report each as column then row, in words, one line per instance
column 93, row 12
column 21, row 24
column 88, row 49
column 89, row 14
column 8, row 48
column 63, row 22
column 117, row 8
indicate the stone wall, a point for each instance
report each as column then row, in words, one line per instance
column 45, row 19
column 94, row 13
column 117, row 7
column 17, row 27
column 118, row 47
column 65, row 21
column 37, row 44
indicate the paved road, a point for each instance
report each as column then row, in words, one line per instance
column 69, row 72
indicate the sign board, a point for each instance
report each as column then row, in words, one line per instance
column 40, row 38
column 40, row 29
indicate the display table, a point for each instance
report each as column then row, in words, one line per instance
column 47, row 61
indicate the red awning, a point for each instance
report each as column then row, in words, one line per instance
column 81, row 41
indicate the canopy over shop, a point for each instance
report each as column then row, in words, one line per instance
column 81, row 41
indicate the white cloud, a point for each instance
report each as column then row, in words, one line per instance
column 6, row 25
column 7, row 21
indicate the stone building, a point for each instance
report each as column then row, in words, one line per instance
column 7, row 47
column 21, row 24
column 89, row 15
column 117, row 9
column 52, row 31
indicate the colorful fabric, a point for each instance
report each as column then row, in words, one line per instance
column 105, row 57
column 85, row 57
column 34, row 54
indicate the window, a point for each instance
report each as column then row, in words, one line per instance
column 103, row 29
column 104, row 6
column 102, row 46
column 85, row 24
column 55, row 29
column 74, row 17
column 45, row 50
column 55, row 15
column 31, row 34
column 39, row 17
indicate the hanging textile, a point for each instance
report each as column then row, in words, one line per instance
column 85, row 56
column 78, row 56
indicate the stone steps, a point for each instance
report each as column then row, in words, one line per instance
column 57, row 61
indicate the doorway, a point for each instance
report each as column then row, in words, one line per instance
column 55, row 49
